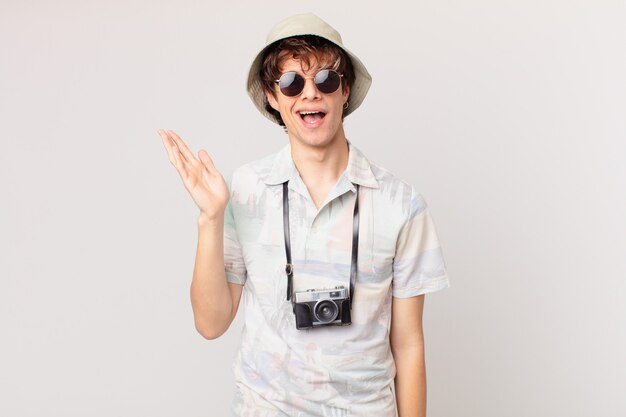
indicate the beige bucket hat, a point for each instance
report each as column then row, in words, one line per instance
column 306, row 24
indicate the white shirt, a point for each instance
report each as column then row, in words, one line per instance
column 329, row 370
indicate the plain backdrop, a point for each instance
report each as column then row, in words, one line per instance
column 508, row 116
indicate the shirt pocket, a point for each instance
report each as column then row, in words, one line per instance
column 376, row 253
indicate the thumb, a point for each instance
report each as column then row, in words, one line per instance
column 207, row 161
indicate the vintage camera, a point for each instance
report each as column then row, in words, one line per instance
column 329, row 307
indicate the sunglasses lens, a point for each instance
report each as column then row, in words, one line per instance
column 291, row 83
column 327, row 81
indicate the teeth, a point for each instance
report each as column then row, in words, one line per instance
column 309, row 112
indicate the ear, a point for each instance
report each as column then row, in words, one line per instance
column 346, row 94
column 271, row 99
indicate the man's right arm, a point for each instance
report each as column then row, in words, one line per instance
column 214, row 300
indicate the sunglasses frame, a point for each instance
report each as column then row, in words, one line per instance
column 306, row 78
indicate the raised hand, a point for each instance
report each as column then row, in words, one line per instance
column 200, row 177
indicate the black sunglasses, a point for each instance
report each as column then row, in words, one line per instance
column 291, row 83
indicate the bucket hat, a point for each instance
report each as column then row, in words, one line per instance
column 306, row 24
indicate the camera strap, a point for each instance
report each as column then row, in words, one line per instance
column 355, row 244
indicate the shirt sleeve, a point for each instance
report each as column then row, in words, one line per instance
column 234, row 264
column 418, row 265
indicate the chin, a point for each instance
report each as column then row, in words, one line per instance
column 315, row 140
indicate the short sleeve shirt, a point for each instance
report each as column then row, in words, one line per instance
column 329, row 370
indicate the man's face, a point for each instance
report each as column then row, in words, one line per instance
column 316, row 129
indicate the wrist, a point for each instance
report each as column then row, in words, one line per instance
column 205, row 219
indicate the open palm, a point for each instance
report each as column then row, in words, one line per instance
column 200, row 177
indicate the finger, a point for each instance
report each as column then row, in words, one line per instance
column 181, row 166
column 168, row 144
column 172, row 150
column 184, row 150
column 175, row 147
column 174, row 154
column 185, row 165
column 207, row 161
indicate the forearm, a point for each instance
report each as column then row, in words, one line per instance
column 410, row 382
column 210, row 295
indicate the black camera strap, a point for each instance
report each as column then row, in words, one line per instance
column 355, row 244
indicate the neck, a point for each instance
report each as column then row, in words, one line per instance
column 320, row 166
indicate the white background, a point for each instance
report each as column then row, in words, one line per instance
column 508, row 116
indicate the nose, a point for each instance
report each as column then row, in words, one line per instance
column 310, row 90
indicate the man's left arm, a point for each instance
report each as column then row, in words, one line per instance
column 407, row 345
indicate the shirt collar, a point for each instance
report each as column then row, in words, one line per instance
column 358, row 170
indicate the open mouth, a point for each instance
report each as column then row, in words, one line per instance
column 312, row 117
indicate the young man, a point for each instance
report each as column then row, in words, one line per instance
column 333, row 290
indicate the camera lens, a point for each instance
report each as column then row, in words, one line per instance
column 326, row 311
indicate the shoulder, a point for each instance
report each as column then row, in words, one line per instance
column 260, row 167
column 397, row 191
column 256, row 168
column 249, row 176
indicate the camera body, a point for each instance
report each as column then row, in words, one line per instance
column 327, row 307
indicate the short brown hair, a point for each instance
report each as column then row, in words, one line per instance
column 303, row 48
